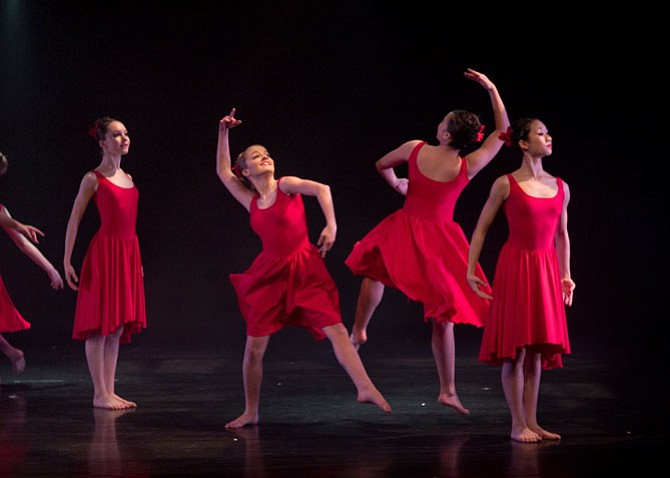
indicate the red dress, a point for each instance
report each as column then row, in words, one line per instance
column 527, row 307
column 11, row 319
column 421, row 251
column 111, row 283
column 287, row 283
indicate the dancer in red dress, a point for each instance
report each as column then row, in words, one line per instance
column 110, row 299
column 288, row 283
column 11, row 319
column 527, row 328
column 420, row 250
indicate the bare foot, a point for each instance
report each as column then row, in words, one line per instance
column 243, row 420
column 544, row 434
column 453, row 402
column 111, row 402
column 18, row 362
column 525, row 435
column 249, row 433
column 127, row 403
column 375, row 397
column 358, row 339
column 108, row 403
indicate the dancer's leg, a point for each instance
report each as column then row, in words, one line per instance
column 102, row 398
column 111, row 359
column 101, row 356
column 513, row 384
column 369, row 297
column 349, row 359
column 531, row 393
column 252, row 376
column 444, row 352
column 13, row 354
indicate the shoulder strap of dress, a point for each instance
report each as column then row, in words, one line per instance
column 278, row 188
column 464, row 167
column 561, row 189
column 415, row 151
column 414, row 155
column 513, row 183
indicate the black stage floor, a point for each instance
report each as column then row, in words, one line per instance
column 612, row 419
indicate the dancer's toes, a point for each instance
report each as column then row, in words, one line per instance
column 385, row 406
column 108, row 404
column 19, row 363
column 453, row 402
column 112, row 402
column 526, row 436
column 246, row 419
column 546, row 435
column 375, row 398
column 125, row 403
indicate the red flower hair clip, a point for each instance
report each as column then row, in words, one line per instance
column 480, row 134
column 93, row 131
column 236, row 170
column 506, row 136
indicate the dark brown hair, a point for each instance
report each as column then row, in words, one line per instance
column 99, row 128
column 464, row 127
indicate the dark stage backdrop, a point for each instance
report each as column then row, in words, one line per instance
column 328, row 87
